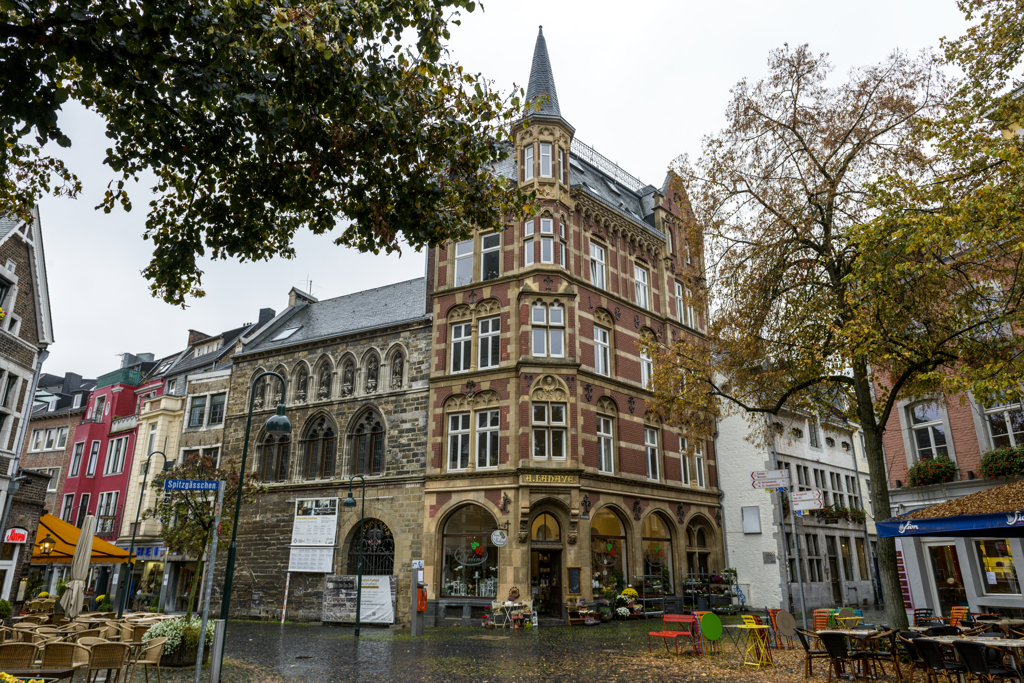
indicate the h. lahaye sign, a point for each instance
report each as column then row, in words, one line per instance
column 16, row 535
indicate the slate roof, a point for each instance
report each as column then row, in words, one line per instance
column 542, row 79
column 40, row 412
column 367, row 310
column 190, row 361
column 8, row 223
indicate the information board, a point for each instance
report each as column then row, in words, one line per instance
column 316, row 522
column 311, row 560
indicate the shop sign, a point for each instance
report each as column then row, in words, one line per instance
column 16, row 535
column 316, row 522
column 563, row 479
column 499, row 537
column 144, row 551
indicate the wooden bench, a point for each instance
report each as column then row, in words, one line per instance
column 679, row 619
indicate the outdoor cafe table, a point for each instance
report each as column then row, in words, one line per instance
column 1014, row 646
column 860, row 634
column 849, row 621
column 508, row 608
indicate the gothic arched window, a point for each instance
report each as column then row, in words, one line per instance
column 272, row 460
column 368, row 446
column 319, row 445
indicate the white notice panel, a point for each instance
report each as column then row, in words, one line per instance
column 311, row 560
column 316, row 522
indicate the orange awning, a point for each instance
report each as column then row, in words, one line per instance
column 66, row 537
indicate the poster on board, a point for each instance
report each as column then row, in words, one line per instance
column 311, row 560
column 316, row 521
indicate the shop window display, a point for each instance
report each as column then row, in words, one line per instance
column 999, row 575
column 470, row 566
column 608, row 554
column 657, row 551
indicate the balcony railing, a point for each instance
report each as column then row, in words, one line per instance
column 123, row 424
column 132, row 378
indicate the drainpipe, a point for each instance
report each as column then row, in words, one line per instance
column 15, row 481
column 721, row 498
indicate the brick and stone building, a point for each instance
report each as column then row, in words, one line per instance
column 937, row 572
column 357, row 370
column 26, row 330
column 49, row 444
column 539, row 425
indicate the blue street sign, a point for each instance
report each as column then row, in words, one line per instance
column 191, row 485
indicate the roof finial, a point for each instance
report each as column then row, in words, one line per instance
column 541, row 32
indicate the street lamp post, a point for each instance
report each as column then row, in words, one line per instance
column 277, row 423
column 350, row 502
column 127, row 574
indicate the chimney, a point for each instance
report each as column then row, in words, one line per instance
column 194, row 336
column 266, row 315
column 128, row 360
column 72, row 382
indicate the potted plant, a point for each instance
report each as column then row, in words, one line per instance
column 938, row 470
column 182, row 644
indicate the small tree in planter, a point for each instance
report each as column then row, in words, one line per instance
column 932, row 471
column 1003, row 462
column 188, row 516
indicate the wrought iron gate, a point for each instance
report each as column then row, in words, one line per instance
column 378, row 549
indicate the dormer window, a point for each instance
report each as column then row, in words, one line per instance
column 545, row 160
column 77, row 403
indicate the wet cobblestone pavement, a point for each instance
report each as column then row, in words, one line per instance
column 610, row 653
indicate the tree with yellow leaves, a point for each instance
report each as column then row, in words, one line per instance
column 852, row 259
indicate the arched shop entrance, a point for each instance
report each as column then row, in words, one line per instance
column 656, row 541
column 608, row 554
column 470, row 563
column 546, row 565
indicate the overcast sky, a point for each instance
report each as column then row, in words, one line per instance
column 641, row 82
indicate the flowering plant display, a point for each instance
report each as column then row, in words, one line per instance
column 932, row 471
column 622, row 612
column 8, row 678
column 630, row 594
column 178, row 631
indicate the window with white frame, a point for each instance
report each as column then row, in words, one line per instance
column 151, row 445
column 602, row 352
column 640, row 277
column 928, row 431
column 528, row 255
column 1006, row 425
column 549, row 425
column 76, row 459
column 38, row 439
column 651, row 446
column 77, row 403
column 51, row 485
column 605, row 445
column 548, row 330
column 487, row 438
column 463, row 263
column 116, row 452
column 68, row 507
column 680, row 304
column 691, row 314
column 698, row 464
column 217, row 403
column 528, row 228
column 490, row 340
column 197, row 412
column 545, row 160
column 9, row 393
column 490, row 256
column 462, row 346
column 62, row 437
column 528, row 162
column 106, row 512
column 646, row 369
column 684, row 460
column 458, row 441
column 94, row 454
column 561, row 165
column 597, row 265
column 551, row 249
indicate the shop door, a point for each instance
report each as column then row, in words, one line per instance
column 546, row 582
column 949, row 583
column 833, row 569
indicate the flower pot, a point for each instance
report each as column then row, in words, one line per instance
column 183, row 657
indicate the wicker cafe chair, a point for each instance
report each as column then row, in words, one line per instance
column 127, row 632
column 139, row 631
column 65, row 656
column 109, row 657
column 149, row 657
column 931, row 653
column 88, row 633
column 805, row 638
column 973, row 656
column 15, row 656
column 840, row 655
column 91, row 640
column 881, row 649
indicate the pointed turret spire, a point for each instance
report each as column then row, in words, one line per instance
column 542, row 80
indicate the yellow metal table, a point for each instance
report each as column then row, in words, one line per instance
column 757, row 654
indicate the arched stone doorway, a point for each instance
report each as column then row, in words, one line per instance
column 546, row 585
column 378, row 546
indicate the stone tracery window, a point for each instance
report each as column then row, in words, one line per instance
column 319, row 446
column 272, row 461
column 368, row 445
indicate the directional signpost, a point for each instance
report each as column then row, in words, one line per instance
column 807, row 500
column 769, row 479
